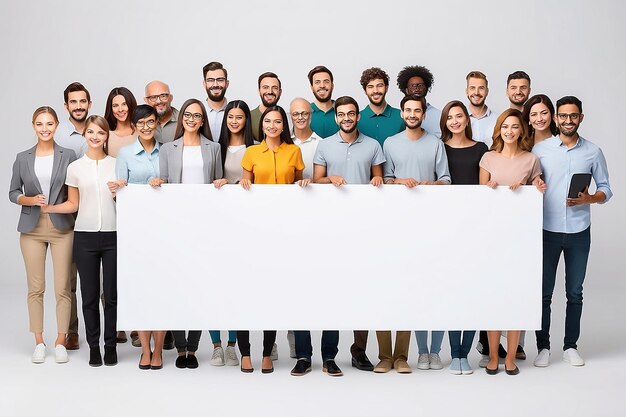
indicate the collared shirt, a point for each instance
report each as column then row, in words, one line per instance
column 273, row 167
column 308, row 148
column 166, row 132
column 67, row 136
column 482, row 127
column 215, row 120
column 380, row 126
column 137, row 166
column 431, row 120
column 559, row 164
column 352, row 161
column 423, row 159
column 323, row 122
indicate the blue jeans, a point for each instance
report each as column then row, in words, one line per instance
column 460, row 349
column 304, row 350
column 435, row 343
column 575, row 249
column 215, row 336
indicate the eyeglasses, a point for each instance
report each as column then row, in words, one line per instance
column 150, row 123
column 162, row 97
column 350, row 115
column 220, row 80
column 194, row 116
column 564, row 116
column 416, row 86
column 303, row 114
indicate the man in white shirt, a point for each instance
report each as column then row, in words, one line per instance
column 482, row 118
column 302, row 134
column 215, row 83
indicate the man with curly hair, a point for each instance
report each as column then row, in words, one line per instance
column 378, row 120
column 419, row 80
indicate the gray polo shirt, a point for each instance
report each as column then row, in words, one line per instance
column 166, row 132
column 352, row 161
column 67, row 137
column 422, row 159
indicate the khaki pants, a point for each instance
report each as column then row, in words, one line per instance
column 34, row 247
column 401, row 350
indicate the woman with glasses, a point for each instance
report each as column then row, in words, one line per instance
column 118, row 112
column 539, row 115
column 192, row 158
column 276, row 160
column 509, row 163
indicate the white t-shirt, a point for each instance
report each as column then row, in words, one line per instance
column 232, row 165
column 43, row 171
column 96, row 207
column 193, row 168
column 308, row 148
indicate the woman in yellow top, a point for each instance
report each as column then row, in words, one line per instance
column 276, row 160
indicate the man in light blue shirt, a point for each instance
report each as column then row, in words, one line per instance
column 567, row 221
column 419, row 80
column 69, row 134
column 482, row 118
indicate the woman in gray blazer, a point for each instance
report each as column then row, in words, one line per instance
column 39, row 178
column 192, row 158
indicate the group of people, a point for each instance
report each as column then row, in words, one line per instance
column 67, row 183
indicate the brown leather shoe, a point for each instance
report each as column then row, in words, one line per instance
column 383, row 366
column 121, row 337
column 402, row 367
column 71, row 342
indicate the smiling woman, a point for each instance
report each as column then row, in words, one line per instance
column 119, row 108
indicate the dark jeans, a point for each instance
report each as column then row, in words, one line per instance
column 575, row 249
column 90, row 250
column 460, row 349
column 304, row 349
column 189, row 343
column 243, row 340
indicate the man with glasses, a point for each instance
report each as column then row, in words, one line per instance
column 350, row 157
column 567, row 221
column 216, row 83
column 302, row 134
column 419, row 80
column 269, row 92
column 378, row 119
column 158, row 96
column 323, row 118
column 518, row 89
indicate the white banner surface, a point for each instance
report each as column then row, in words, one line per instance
column 355, row 257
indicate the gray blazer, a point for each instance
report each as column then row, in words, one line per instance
column 25, row 182
column 171, row 160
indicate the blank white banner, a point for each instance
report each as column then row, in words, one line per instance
column 356, row 257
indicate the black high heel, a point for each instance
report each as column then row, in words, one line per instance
column 144, row 367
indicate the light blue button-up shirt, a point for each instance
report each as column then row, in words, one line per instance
column 559, row 164
column 135, row 165
column 431, row 120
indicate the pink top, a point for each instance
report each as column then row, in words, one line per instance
column 506, row 171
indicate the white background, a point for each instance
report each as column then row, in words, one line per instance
column 574, row 47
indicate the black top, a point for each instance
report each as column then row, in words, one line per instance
column 463, row 163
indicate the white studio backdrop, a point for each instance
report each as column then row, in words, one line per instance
column 355, row 257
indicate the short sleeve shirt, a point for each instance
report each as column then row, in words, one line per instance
column 273, row 167
column 323, row 122
column 506, row 171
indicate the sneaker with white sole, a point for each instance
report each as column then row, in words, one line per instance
column 39, row 355
column 466, row 368
column 543, row 358
column 423, row 362
column 231, row 356
column 60, row 354
column 455, row 366
column 572, row 357
column 435, row 361
column 218, row 357
column 274, row 354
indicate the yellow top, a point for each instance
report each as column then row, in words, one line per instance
column 277, row 167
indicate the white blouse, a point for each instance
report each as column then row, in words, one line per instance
column 193, row 167
column 96, row 207
column 43, row 172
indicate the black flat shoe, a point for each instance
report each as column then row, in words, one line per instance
column 330, row 368
column 192, row 361
column 181, row 361
column 491, row 371
column 156, row 367
column 513, row 371
column 267, row 371
column 144, row 367
column 520, row 354
column 110, row 356
column 95, row 359
column 247, row 370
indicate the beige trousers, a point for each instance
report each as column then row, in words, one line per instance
column 401, row 350
column 34, row 247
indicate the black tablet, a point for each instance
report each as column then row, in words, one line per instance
column 578, row 184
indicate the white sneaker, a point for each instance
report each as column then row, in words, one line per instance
column 543, row 358
column 231, row 356
column 572, row 357
column 274, row 354
column 423, row 362
column 291, row 339
column 218, row 357
column 39, row 355
column 60, row 354
column 435, row 361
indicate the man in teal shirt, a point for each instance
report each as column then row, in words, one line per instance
column 323, row 117
column 378, row 120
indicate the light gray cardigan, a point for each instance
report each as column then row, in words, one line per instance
column 171, row 160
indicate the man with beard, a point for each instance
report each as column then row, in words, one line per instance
column 378, row 120
column 567, row 221
column 69, row 134
column 216, row 83
column 419, row 80
column 482, row 118
column 158, row 96
column 350, row 157
column 323, row 118
column 269, row 91
column 518, row 89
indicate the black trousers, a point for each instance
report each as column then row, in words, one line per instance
column 92, row 249
column 189, row 343
column 243, row 340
